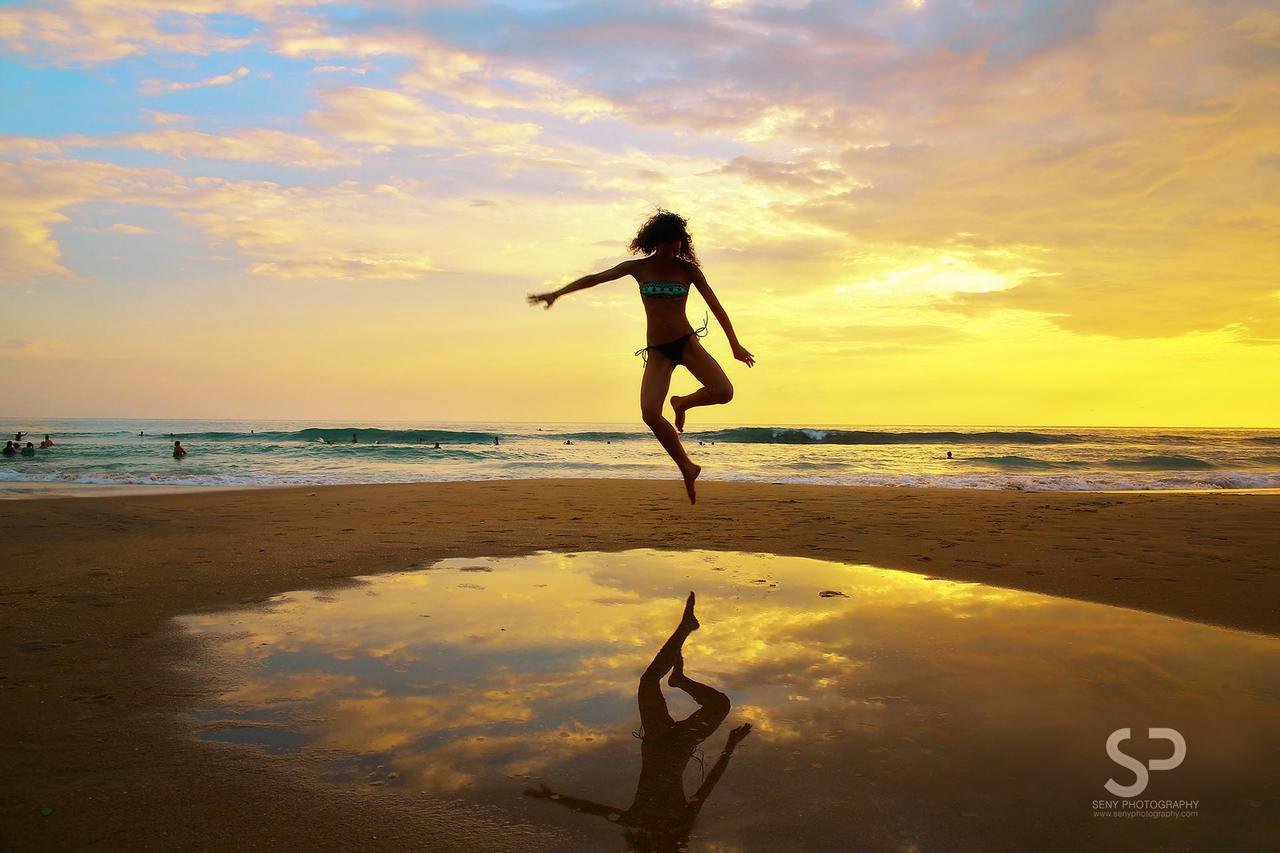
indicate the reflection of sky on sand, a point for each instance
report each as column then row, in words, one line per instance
column 911, row 712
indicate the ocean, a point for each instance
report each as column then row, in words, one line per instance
column 274, row 453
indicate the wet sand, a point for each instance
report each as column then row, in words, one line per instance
column 93, row 689
column 19, row 491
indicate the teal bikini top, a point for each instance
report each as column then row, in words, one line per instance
column 672, row 289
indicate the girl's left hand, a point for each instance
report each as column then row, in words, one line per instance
column 548, row 298
column 741, row 354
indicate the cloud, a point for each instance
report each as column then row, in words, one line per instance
column 34, row 350
column 34, row 195
column 28, row 145
column 1130, row 199
column 156, row 87
column 87, row 32
column 480, row 80
column 349, row 230
column 261, row 145
column 126, row 228
column 386, row 117
column 341, row 232
column 340, row 69
column 809, row 175
column 160, row 118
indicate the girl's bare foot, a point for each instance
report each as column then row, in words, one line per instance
column 678, row 408
column 690, row 475
column 689, row 622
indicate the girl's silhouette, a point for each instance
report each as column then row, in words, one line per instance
column 665, row 274
column 660, row 817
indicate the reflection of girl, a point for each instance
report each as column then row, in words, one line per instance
column 660, row 818
column 665, row 275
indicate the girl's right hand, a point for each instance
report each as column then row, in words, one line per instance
column 548, row 298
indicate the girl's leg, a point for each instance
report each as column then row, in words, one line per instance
column 653, row 390
column 700, row 725
column 704, row 695
column 716, row 387
column 669, row 655
column 653, row 707
column 714, row 705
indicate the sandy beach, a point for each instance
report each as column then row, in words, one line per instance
column 94, row 685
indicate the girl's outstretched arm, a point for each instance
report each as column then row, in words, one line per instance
column 583, row 283
column 709, row 784
column 542, row 792
column 722, row 316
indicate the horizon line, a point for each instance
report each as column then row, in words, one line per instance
column 735, row 424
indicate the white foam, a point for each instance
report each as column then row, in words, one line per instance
column 1193, row 480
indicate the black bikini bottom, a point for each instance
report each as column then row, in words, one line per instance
column 674, row 350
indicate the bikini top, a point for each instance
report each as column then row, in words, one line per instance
column 672, row 289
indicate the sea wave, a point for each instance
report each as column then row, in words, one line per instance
column 365, row 435
column 1136, row 463
column 1160, row 463
column 798, row 435
column 1019, row 463
column 1217, row 480
column 594, row 435
column 379, row 435
column 735, row 435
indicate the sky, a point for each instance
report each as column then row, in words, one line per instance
column 915, row 211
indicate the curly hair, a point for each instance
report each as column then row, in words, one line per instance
column 664, row 227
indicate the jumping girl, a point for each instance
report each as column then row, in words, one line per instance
column 665, row 274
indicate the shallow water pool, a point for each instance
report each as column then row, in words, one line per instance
column 887, row 710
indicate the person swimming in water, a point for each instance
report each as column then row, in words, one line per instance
column 179, row 451
column 666, row 273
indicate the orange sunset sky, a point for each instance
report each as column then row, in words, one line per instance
column 915, row 212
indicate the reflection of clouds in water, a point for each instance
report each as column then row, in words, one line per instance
column 465, row 760
column 906, row 694
column 288, row 687
column 380, row 723
column 565, row 606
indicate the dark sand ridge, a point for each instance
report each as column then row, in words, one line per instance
column 91, row 694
